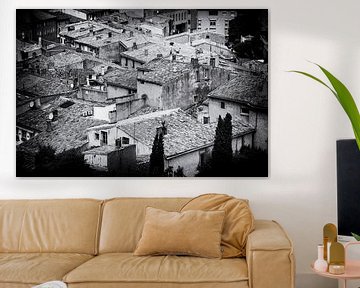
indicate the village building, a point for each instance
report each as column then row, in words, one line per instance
column 33, row 91
column 245, row 96
column 60, row 124
column 117, row 161
column 187, row 142
column 169, row 84
column 109, row 85
column 167, row 50
column 35, row 23
column 87, row 14
column 105, row 45
column 74, row 31
column 180, row 19
column 101, row 40
column 25, row 51
column 157, row 25
column 215, row 20
column 188, row 37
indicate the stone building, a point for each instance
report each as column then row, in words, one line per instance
column 245, row 96
column 215, row 20
column 34, row 23
column 169, row 84
column 187, row 142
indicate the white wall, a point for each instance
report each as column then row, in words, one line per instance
column 305, row 121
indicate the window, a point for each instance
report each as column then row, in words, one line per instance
column 206, row 120
column 126, row 62
column 104, row 137
column 206, row 74
column 213, row 12
column 244, row 111
column 195, row 98
column 197, row 75
column 212, row 22
column 125, row 140
column 222, row 105
column 97, row 136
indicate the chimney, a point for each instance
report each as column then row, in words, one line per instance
column 146, row 52
column 87, row 81
column 40, row 41
column 131, row 33
column 134, row 46
column 110, row 34
column 102, row 70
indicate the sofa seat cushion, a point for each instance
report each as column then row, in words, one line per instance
column 127, row 268
column 36, row 268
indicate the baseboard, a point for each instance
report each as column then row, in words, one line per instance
column 310, row 280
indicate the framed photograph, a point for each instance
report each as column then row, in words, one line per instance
column 141, row 93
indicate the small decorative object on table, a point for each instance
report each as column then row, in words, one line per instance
column 51, row 284
column 320, row 264
column 329, row 236
column 340, row 267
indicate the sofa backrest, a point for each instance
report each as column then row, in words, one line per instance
column 123, row 220
column 66, row 226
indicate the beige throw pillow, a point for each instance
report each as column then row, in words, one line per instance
column 194, row 232
column 238, row 223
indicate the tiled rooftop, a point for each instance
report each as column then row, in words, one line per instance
column 100, row 39
column 123, row 78
column 163, row 70
column 40, row 86
column 26, row 47
column 68, row 132
column 246, row 88
column 184, row 133
column 82, row 29
column 183, row 52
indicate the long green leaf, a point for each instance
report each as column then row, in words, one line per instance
column 344, row 97
column 347, row 102
column 316, row 79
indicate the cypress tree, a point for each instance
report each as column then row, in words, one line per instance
column 228, row 139
column 157, row 156
column 222, row 151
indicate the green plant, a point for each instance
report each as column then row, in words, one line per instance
column 344, row 97
column 356, row 236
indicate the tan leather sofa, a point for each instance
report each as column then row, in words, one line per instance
column 89, row 243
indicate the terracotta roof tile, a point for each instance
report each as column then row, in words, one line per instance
column 124, row 78
column 184, row 133
column 161, row 70
column 248, row 88
column 68, row 132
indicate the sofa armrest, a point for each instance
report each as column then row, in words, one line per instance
column 269, row 256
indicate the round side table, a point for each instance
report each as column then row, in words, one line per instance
column 352, row 269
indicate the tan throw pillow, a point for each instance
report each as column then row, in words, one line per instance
column 196, row 233
column 239, row 220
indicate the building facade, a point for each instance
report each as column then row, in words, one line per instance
column 215, row 20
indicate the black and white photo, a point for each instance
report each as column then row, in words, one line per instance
column 141, row 93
